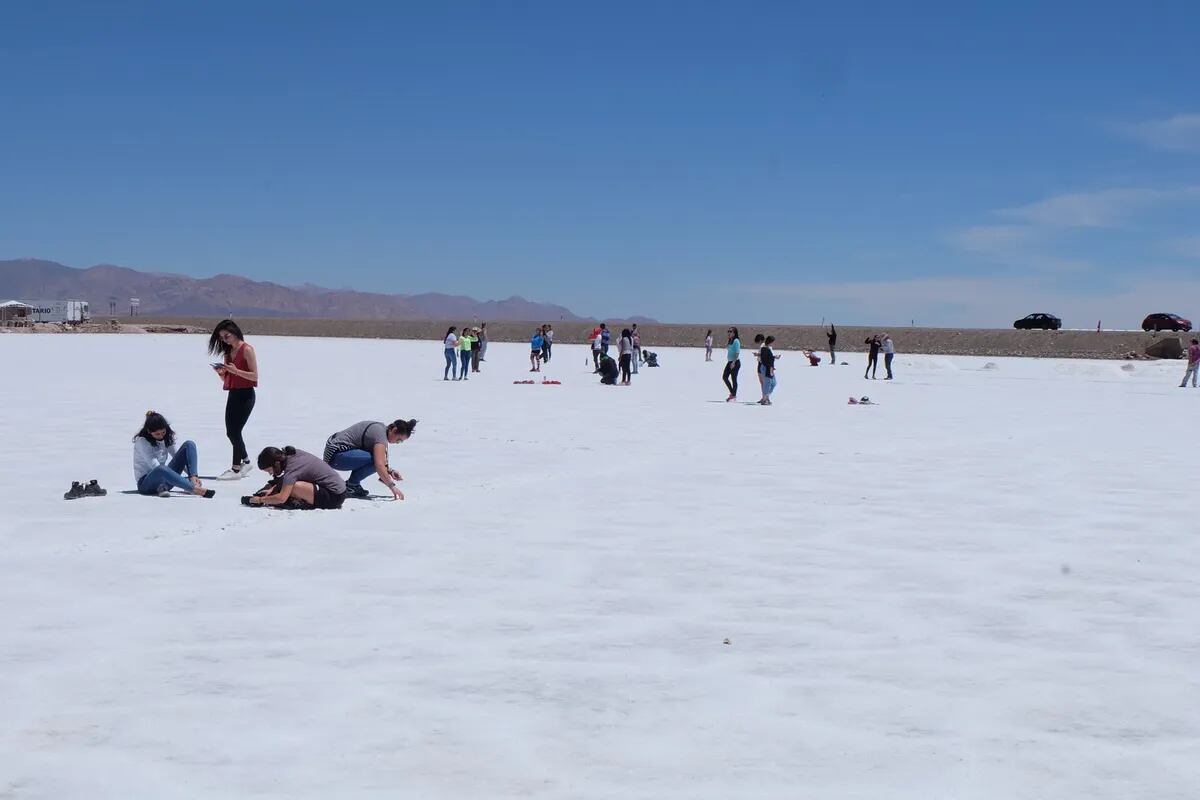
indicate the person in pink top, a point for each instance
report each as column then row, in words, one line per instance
column 1193, row 363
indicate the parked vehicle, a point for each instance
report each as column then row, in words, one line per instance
column 1166, row 322
column 73, row 311
column 1045, row 322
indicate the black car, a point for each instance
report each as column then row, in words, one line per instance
column 1166, row 322
column 1045, row 322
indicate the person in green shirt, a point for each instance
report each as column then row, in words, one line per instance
column 469, row 336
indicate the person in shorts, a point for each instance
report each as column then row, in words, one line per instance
column 299, row 481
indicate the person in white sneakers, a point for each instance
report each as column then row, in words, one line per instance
column 1193, row 365
column 238, row 371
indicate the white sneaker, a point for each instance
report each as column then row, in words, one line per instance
column 232, row 474
column 163, row 491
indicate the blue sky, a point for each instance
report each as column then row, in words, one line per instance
column 763, row 162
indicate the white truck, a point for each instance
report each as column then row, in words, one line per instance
column 71, row 311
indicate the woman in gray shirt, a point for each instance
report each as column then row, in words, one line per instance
column 300, row 480
column 363, row 448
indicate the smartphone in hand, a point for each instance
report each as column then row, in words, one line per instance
column 216, row 365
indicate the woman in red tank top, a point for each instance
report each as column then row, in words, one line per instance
column 239, row 376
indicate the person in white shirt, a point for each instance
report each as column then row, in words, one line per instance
column 708, row 347
column 451, row 343
column 889, row 352
column 597, row 344
column 159, row 466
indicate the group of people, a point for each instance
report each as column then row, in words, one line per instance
column 464, row 351
column 540, row 346
column 298, row 479
column 876, row 344
column 764, row 355
column 767, row 358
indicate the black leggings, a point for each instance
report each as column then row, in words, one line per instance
column 625, row 367
column 730, row 376
column 238, row 406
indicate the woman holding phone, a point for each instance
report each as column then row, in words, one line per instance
column 238, row 371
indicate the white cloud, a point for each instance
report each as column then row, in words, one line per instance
column 1101, row 209
column 1187, row 246
column 1180, row 133
column 991, row 239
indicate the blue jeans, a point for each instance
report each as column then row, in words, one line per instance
column 451, row 363
column 360, row 463
column 768, row 385
column 185, row 459
column 465, row 355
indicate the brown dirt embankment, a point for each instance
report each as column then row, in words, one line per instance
column 937, row 341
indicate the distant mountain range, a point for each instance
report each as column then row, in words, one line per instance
column 164, row 294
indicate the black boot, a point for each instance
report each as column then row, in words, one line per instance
column 76, row 491
column 93, row 489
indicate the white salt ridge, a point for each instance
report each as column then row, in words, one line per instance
column 983, row 587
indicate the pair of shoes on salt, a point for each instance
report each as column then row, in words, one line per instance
column 79, row 489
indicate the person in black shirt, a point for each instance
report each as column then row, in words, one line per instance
column 766, row 364
column 872, row 356
column 608, row 370
column 832, row 337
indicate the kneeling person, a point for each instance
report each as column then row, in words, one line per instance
column 363, row 448
column 608, row 370
column 300, row 480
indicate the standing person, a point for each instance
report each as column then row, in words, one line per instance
column 872, row 357
column 239, row 376
column 708, row 345
column 299, row 480
column 733, row 364
column 637, row 348
column 535, row 351
column 363, row 448
column 475, row 351
column 483, row 340
column 889, row 352
column 597, row 342
column 547, row 341
column 766, row 360
column 1193, row 365
column 451, row 344
column 758, row 348
column 625, row 355
column 158, row 465
column 605, row 338
column 832, row 337
column 464, row 352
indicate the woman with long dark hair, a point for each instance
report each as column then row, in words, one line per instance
column 239, row 375
column 451, row 345
column 299, row 480
column 363, row 448
column 625, row 354
column 159, row 466
column 733, row 364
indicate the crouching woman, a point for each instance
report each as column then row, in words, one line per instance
column 159, row 466
column 299, row 480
